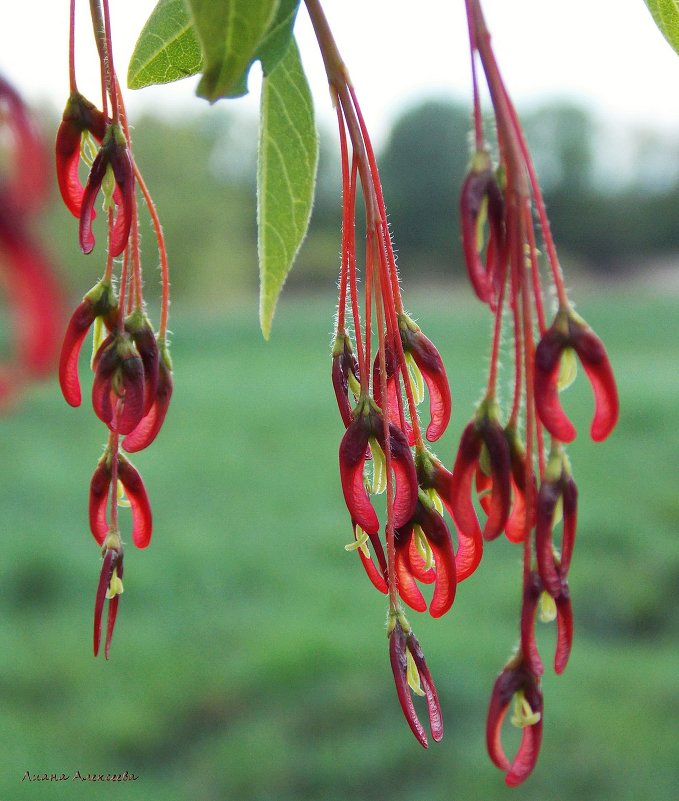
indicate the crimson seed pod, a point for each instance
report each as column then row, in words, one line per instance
column 483, row 430
column 149, row 426
column 114, row 152
column 139, row 328
column 558, row 484
column 118, row 387
column 108, row 587
column 100, row 490
column 393, row 389
column 533, row 591
column 410, row 564
column 517, row 524
column 433, row 476
column 571, row 331
column 480, row 191
column 515, row 678
column 100, row 301
column 343, row 364
column 367, row 423
column 400, row 644
column 79, row 116
column 377, row 573
column 429, row 362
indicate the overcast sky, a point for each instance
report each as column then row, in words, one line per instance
column 606, row 53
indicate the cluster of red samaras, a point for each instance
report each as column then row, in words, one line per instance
column 34, row 298
column 132, row 383
column 505, row 479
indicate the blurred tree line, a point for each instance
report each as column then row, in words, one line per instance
column 613, row 199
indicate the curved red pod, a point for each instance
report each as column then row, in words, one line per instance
column 100, row 301
column 77, row 329
column 438, row 536
column 375, row 572
column 100, row 487
column 470, row 548
column 500, row 466
column 464, row 470
column 565, row 332
column 142, row 519
column 516, row 528
column 512, row 679
column 79, row 116
column 430, row 364
column 547, row 402
column 399, row 667
column 113, row 560
column 595, row 362
column 343, row 362
column 352, row 457
column 433, row 706
column 393, row 391
column 548, row 497
column 113, row 152
column 139, row 328
column 399, row 645
column 407, row 587
column 405, row 495
column 474, row 191
column 149, row 426
column 118, row 387
column 477, row 433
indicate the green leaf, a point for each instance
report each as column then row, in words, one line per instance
column 666, row 16
column 167, row 48
column 286, row 176
column 230, row 31
column 275, row 44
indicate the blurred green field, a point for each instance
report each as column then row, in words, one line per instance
column 250, row 660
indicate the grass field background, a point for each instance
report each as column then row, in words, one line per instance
column 250, row 659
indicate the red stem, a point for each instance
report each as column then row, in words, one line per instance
column 71, row 50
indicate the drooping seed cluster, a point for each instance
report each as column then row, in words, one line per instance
column 511, row 474
column 132, row 383
column 516, row 458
